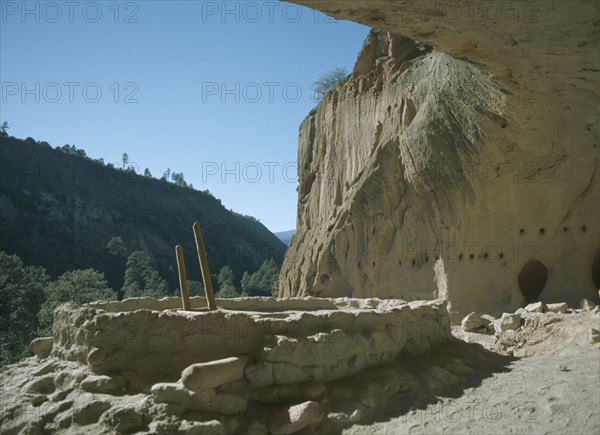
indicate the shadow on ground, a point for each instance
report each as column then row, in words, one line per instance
column 409, row 384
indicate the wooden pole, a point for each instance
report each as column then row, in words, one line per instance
column 183, row 284
column 208, row 289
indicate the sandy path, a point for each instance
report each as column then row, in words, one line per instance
column 555, row 391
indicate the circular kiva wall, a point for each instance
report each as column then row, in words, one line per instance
column 321, row 339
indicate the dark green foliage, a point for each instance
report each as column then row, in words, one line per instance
column 116, row 247
column 116, row 261
column 226, row 276
column 228, row 291
column 79, row 286
column 141, row 279
column 21, row 295
column 72, row 149
column 178, row 179
column 63, row 209
column 263, row 282
column 226, row 282
column 196, row 288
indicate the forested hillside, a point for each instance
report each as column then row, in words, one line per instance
column 61, row 210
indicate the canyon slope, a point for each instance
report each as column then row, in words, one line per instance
column 60, row 210
column 459, row 161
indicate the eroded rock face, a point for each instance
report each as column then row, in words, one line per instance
column 465, row 170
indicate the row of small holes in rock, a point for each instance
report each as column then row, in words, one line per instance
column 460, row 257
column 543, row 230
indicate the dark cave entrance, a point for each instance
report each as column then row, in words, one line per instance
column 596, row 269
column 532, row 280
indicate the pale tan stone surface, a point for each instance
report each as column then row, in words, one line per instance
column 560, row 307
column 472, row 322
column 326, row 339
column 440, row 174
column 297, row 417
column 42, row 346
column 508, row 322
column 255, row 364
column 445, row 389
column 536, row 307
column 208, row 375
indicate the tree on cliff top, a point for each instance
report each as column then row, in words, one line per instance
column 328, row 81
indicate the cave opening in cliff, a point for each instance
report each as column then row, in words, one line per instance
column 532, row 280
column 596, row 269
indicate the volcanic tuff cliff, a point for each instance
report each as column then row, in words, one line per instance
column 460, row 164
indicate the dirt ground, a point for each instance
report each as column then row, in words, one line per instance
column 544, row 378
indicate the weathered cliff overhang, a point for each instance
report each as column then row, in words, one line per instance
column 459, row 161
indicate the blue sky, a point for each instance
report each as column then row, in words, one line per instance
column 213, row 89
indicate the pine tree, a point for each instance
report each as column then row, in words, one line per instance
column 196, row 288
column 141, row 279
column 226, row 280
column 263, row 281
column 116, row 247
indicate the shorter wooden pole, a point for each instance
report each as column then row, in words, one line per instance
column 183, row 284
column 208, row 289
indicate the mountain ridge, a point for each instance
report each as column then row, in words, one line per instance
column 59, row 210
column 286, row 236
